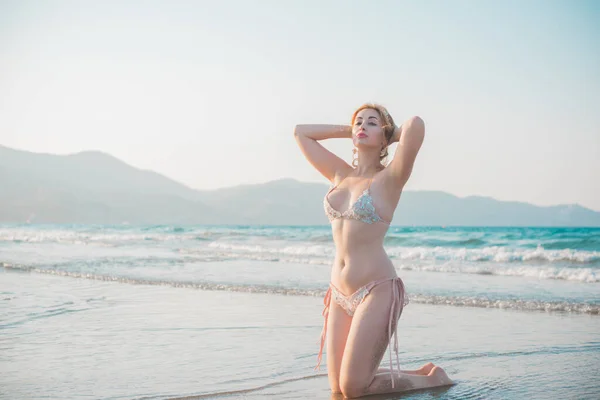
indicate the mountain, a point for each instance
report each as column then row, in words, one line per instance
column 94, row 187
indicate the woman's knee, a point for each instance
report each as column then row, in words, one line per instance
column 352, row 387
column 334, row 385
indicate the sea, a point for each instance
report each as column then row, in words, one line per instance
column 175, row 311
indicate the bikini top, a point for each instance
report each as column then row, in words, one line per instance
column 362, row 210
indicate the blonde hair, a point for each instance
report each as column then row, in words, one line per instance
column 387, row 123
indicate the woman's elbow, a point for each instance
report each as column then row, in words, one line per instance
column 416, row 126
column 417, row 122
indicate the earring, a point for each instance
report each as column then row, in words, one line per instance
column 355, row 157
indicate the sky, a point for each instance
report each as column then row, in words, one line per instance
column 208, row 92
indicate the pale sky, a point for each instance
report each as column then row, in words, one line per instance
column 208, row 93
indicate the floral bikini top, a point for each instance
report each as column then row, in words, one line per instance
column 362, row 210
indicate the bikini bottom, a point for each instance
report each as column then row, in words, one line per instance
column 350, row 303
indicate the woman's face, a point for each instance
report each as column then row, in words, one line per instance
column 367, row 129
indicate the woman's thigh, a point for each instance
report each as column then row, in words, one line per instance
column 338, row 326
column 368, row 337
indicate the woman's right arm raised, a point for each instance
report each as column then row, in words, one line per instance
column 327, row 163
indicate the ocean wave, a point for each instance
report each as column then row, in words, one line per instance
column 496, row 254
column 117, row 237
column 487, row 254
column 575, row 274
column 485, row 244
column 451, row 243
column 284, row 249
column 456, row 301
column 317, row 256
column 588, row 243
column 79, row 238
column 226, row 253
column 583, row 275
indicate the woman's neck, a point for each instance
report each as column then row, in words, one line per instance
column 368, row 170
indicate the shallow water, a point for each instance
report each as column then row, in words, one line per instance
column 73, row 338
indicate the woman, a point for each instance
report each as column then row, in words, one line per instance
column 368, row 296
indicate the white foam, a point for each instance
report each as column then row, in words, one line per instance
column 286, row 249
column 495, row 254
column 584, row 275
column 455, row 301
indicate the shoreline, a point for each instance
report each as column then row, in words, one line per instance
column 415, row 298
column 140, row 341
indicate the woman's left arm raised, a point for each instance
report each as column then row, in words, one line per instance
column 410, row 137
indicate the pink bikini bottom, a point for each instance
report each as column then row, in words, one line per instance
column 351, row 303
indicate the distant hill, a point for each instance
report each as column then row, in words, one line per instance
column 94, row 187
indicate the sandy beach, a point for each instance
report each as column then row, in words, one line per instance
column 71, row 338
